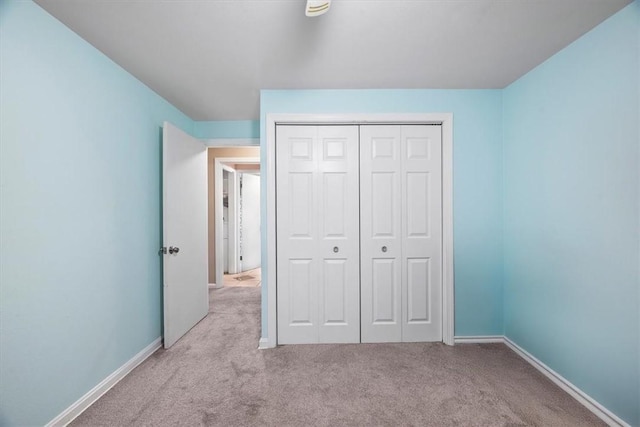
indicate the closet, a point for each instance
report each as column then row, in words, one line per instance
column 358, row 233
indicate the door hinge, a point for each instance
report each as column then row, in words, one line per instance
column 162, row 251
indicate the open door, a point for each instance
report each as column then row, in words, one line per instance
column 184, row 213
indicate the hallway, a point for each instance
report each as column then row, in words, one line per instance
column 249, row 278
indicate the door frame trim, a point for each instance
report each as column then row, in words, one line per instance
column 218, row 225
column 443, row 119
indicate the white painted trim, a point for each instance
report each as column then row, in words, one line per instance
column 231, row 142
column 271, row 340
column 218, row 226
column 444, row 119
column 213, row 286
column 587, row 401
column 263, row 344
column 479, row 339
column 105, row 385
column 448, row 295
column 583, row 398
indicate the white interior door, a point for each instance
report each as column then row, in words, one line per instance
column 184, row 208
column 317, row 205
column 250, row 204
column 381, row 233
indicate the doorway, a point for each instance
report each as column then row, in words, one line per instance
column 241, row 224
column 235, row 246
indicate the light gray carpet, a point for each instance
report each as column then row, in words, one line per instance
column 215, row 375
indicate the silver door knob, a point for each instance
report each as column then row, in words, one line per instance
column 384, row 249
column 174, row 249
column 335, row 249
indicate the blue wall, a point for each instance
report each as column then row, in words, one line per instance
column 80, row 205
column 477, row 198
column 571, row 212
column 227, row 129
column 80, row 215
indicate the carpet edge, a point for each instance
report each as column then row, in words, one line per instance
column 587, row 401
column 82, row 404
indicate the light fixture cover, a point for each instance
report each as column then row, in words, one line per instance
column 317, row 7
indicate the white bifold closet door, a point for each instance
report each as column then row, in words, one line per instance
column 401, row 233
column 317, row 227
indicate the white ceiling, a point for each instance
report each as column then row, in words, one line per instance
column 211, row 58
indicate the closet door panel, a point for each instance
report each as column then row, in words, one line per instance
column 421, row 233
column 317, row 231
column 339, row 295
column 297, row 234
column 380, row 232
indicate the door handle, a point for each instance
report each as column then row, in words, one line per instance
column 174, row 250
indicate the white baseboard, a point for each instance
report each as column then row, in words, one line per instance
column 587, row 401
column 263, row 344
column 212, row 286
column 105, row 385
column 479, row 339
column 591, row 404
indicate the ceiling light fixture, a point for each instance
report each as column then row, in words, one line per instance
column 317, row 7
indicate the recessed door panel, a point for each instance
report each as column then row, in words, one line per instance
column 301, row 149
column 417, row 196
column 385, row 289
column 382, row 212
column 334, row 148
column 418, row 148
column 384, row 147
column 301, row 206
column 334, row 214
column 300, row 284
column 334, row 307
column 418, row 290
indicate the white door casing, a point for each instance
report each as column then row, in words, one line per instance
column 250, row 199
column 317, row 255
column 270, row 331
column 184, row 225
